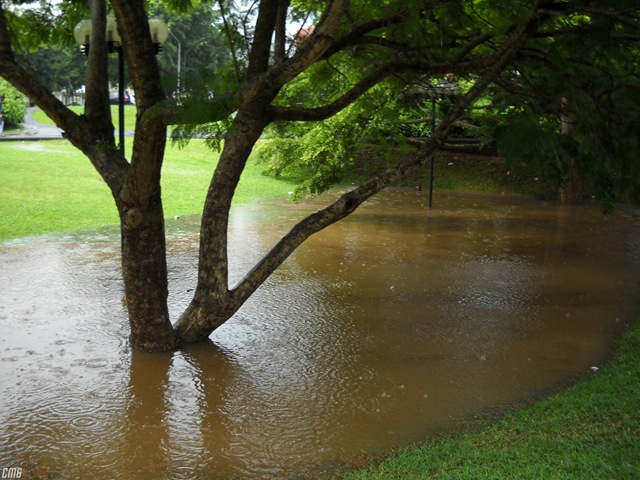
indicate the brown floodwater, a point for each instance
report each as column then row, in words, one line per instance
column 392, row 325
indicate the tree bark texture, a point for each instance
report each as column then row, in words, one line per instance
column 144, row 271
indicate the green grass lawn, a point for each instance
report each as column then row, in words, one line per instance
column 49, row 186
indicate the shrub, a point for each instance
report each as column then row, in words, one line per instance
column 14, row 106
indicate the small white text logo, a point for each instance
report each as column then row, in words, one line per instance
column 11, row 472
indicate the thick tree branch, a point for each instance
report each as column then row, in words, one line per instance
column 320, row 41
column 142, row 183
column 268, row 82
column 139, row 53
column 359, row 35
column 392, row 67
column 472, row 44
column 97, row 108
column 259, row 54
column 320, row 113
column 280, row 42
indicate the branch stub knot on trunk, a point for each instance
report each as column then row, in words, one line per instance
column 134, row 218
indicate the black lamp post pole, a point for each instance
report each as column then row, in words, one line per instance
column 82, row 34
column 433, row 157
column 121, row 98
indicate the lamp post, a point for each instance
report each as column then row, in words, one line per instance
column 82, row 34
column 179, row 83
column 440, row 90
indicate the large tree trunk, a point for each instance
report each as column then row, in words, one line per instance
column 144, row 261
column 144, row 270
column 140, row 201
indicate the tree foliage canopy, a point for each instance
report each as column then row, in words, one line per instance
column 585, row 61
column 586, row 76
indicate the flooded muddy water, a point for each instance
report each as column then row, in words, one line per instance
column 387, row 327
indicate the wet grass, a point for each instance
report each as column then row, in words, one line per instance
column 49, row 186
column 589, row 431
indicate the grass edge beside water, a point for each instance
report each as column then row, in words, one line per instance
column 590, row 430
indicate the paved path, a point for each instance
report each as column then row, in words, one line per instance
column 33, row 130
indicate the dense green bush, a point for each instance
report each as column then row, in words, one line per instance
column 14, row 106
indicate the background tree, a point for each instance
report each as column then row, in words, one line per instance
column 203, row 53
column 59, row 68
column 354, row 47
column 43, row 44
column 567, row 110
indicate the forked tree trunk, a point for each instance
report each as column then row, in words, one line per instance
column 214, row 302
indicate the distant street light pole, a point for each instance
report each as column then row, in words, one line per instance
column 440, row 90
column 82, row 34
column 179, row 82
